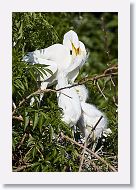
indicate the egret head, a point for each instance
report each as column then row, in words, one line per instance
column 82, row 92
column 71, row 41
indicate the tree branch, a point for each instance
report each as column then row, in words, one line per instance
column 82, row 157
column 108, row 72
column 90, row 151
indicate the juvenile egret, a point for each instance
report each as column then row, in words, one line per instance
column 90, row 116
column 82, row 92
column 68, row 100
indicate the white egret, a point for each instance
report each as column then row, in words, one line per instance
column 67, row 58
column 90, row 116
column 62, row 55
column 79, row 55
column 68, row 100
column 56, row 57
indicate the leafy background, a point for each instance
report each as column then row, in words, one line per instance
column 37, row 145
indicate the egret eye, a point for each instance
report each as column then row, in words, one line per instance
column 70, row 52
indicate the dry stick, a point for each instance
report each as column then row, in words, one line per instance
column 20, row 118
column 22, row 168
column 95, row 126
column 27, row 166
column 23, row 138
column 101, row 91
column 40, row 153
column 112, row 81
column 92, row 163
column 35, row 93
column 82, row 158
column 111, row 69
column 97, row 123
column 24, row 159
column 88, row 79
column 99, row 149
column 90, row 151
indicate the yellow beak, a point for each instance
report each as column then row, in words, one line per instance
column 76, row 51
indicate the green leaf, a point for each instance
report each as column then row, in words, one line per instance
column 51, row 132
column 41, row 120
column 26, row 122
column 36, row 119
column 34, row 151
column 18, row 83
column 49, row 71
column 32, row 75
column 20, row 32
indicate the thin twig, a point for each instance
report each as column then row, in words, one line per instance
column 112, row 81
column 20, row 118
column 87, row 160
column 39, row 91
column 40, row 153
column 97, row 123
column 90, row 151
column 82, row 158
column 101, row 91
column 99, row 149
column 28, row 97
column 22, row 140
column 22, row 168
column 94, row 127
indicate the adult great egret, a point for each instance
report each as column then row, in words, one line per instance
column 55, row 57
column 67, row 58
column 79, row 55
column 90, row 116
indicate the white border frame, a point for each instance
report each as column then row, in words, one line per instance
column 123, row 174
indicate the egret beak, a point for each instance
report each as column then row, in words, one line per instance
column 75, row 50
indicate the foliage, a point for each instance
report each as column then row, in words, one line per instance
column 37, row 143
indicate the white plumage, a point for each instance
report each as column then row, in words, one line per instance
column 68, row 100
column 90, row 116
column 67, row 58
column 78, row 52
column 65, row 61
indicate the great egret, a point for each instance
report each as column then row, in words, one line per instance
column 90, row 116
column 79, row 55
column 56, row 57
column 68, row 100
column 67, row 58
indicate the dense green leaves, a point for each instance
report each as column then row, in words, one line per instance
column 37, row 141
